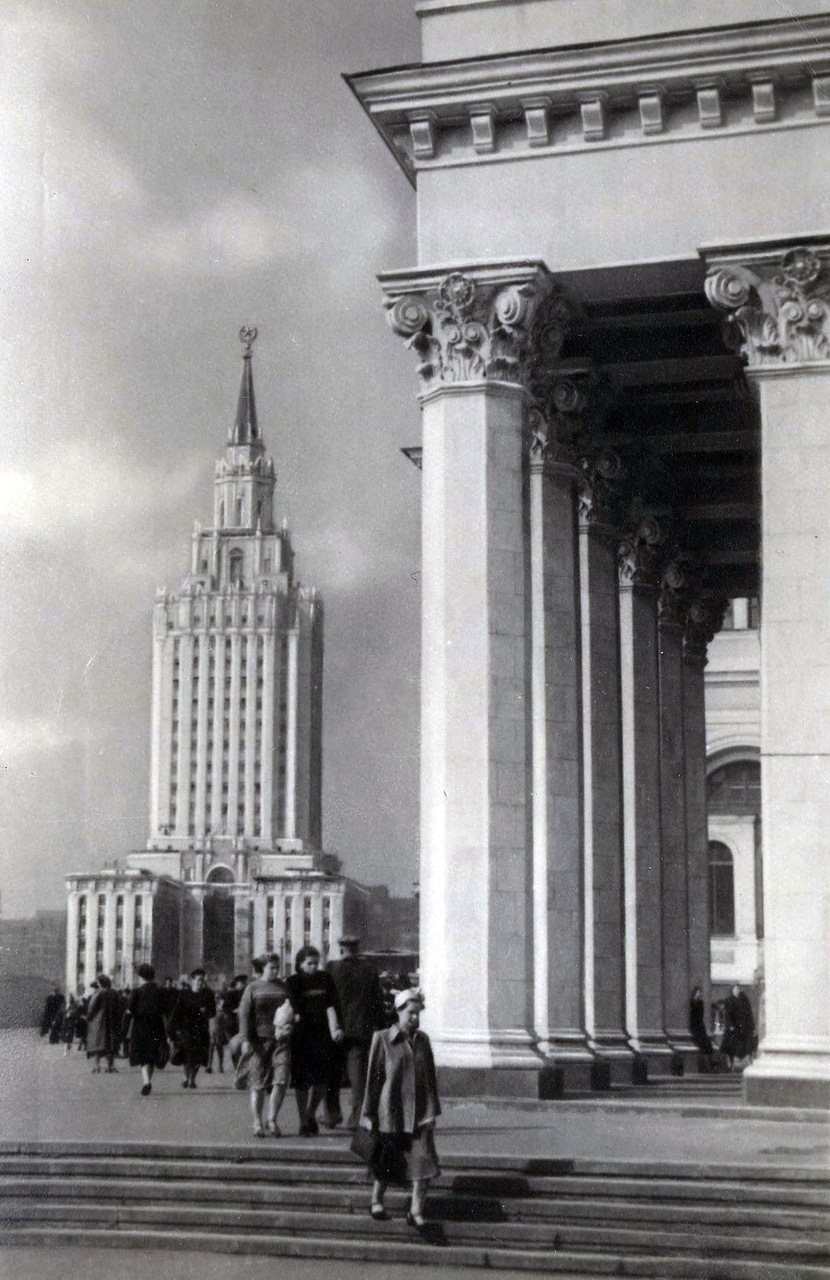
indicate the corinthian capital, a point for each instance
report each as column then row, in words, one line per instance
column 602, row 487
column 505, row 322
column 704, row 618
column 677, row 585
column 777, row 301
column 640, row 554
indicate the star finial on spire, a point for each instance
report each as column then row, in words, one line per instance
column 247, row 336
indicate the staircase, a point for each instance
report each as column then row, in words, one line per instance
column 311, row 1200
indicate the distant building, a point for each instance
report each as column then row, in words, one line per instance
column 34, row 947
column 234, row 864
column 733, row 766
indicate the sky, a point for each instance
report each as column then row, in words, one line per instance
column 169, row 171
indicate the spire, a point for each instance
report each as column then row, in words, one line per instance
column 245, row 429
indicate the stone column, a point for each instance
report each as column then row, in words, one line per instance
column 703, row 619
column 674, row 589
column 474, row 332
column 778, row 299
column 639, row 689
column 71, row 943
column 602, row 764
column 559, row 959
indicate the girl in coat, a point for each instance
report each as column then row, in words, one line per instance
column 313, row 997
column 401, row 1106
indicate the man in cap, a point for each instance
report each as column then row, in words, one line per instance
column 360, row 998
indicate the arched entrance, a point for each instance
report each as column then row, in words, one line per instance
column 218, row 922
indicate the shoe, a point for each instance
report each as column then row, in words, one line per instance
column 273, row 1130
column 304, row 1131
column 146, row 1090
column 313, row 1127
column 208, row 1071
column 112, row 1071
column 185, row 1084
column 412, row 1221
column 332, row 1122
column 193, row 1084
column 378, row 1213
column 259, row 1132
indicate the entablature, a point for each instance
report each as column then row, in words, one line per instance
column 665, row 88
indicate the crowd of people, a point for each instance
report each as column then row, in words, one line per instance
column 314, row 1029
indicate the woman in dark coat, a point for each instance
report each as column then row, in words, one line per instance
column 147, row 1032
column 313, row 996
column 401, row 1105
column 697, row 1028
column 739, row 1036
column 104, row 1019
column 189, row 1026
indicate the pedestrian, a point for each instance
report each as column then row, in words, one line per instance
column 81, row 1018
column 104, row 1019
column 189, row 1026
column 360, row 1002
column 148, row 1035
column 52, row 1007
column 316, row 1031
column 70, row 1022
column 219, row 1028
column 697, row 1028
column 739, row 1035
column 265, row 1056
column 400, row 1107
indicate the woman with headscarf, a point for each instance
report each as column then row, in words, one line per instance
column 400, row 1107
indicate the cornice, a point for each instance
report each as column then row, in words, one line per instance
column 668, row 88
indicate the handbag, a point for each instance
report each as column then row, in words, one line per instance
column 364, row 1144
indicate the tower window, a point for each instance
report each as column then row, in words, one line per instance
column 239, row 511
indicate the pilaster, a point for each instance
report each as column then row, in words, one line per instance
column 485, row 337
column 71, row 942
column 776, row 297
column 290, row 825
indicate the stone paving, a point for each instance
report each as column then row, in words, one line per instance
column 50, row 1097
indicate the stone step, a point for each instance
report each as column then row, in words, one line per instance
column 506, row 1233
column 695, row 1265
column 444, row 1203
column 481, row 1184
column 334, row 1151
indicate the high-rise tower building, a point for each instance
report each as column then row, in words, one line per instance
column 233, row 864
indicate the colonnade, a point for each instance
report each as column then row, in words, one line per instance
column 564, row 912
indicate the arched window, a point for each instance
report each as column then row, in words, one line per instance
column 721, row 890
column 735, row 788
column 220, row 875
column 235, row 561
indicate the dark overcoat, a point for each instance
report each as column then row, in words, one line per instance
column 104, row 1019
column 359, row 996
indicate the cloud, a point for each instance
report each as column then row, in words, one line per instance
column 26, row 736
column 77, row 487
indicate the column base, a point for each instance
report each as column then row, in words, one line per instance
column 686, row 1053
column 615, row 1053
column 656, row 1057
column 541, row 1083
column 512, row 1050
column 788, row 1079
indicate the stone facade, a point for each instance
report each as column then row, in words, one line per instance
column 630, row 216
